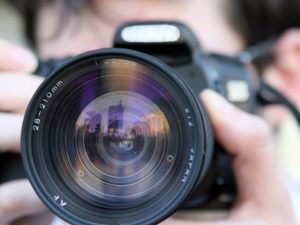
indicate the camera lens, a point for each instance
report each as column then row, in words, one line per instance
column 114, row 137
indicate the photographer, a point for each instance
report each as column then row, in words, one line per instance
column 62, row 28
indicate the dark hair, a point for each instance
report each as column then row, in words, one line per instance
column 29, row 11
column 255, row 20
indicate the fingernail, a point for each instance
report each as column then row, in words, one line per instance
column 218, row 108
column 23, row 59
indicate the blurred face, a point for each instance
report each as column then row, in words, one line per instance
column 92, row 29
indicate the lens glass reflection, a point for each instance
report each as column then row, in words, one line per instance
column 122, row 135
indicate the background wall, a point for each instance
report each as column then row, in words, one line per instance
column 11, row 26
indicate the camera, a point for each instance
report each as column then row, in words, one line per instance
column 119, row 135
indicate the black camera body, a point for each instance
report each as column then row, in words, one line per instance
column 226, row 75
column 116, row 136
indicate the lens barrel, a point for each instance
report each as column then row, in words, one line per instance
column 115, row 136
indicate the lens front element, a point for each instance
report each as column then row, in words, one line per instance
column 123, row 153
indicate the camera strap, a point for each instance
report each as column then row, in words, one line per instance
column 267, row 95
column 259, row 56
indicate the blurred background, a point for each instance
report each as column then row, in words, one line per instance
column 287, row 141
column 11, row 26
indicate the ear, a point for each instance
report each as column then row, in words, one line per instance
column 284, row 73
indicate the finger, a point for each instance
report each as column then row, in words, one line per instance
column 58, row 221
column 249, row 140
column 10, row 132
column 18, row 199
column 172, row 221
column 44, row 218
column 253, row 221
column 16, row 91
column 229, row 123
column 16, row 58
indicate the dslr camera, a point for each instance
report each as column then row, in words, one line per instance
column 119, row 135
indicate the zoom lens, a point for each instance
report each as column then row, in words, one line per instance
column 114, row 137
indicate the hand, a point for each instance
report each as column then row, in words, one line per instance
column 17, row 198
column 17, row 201
column 263, row 196
column 16, row 90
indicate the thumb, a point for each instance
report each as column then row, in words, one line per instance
column 248, row 139
column 15, row 58
column 18, row 199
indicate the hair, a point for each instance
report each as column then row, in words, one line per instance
column 29, row 11
column 257, row 20
column 254, row 20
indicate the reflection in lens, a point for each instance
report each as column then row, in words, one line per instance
column 123, row 151
column 121, row 138
column 121, row 147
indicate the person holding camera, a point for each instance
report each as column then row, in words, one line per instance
column 263, row 195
